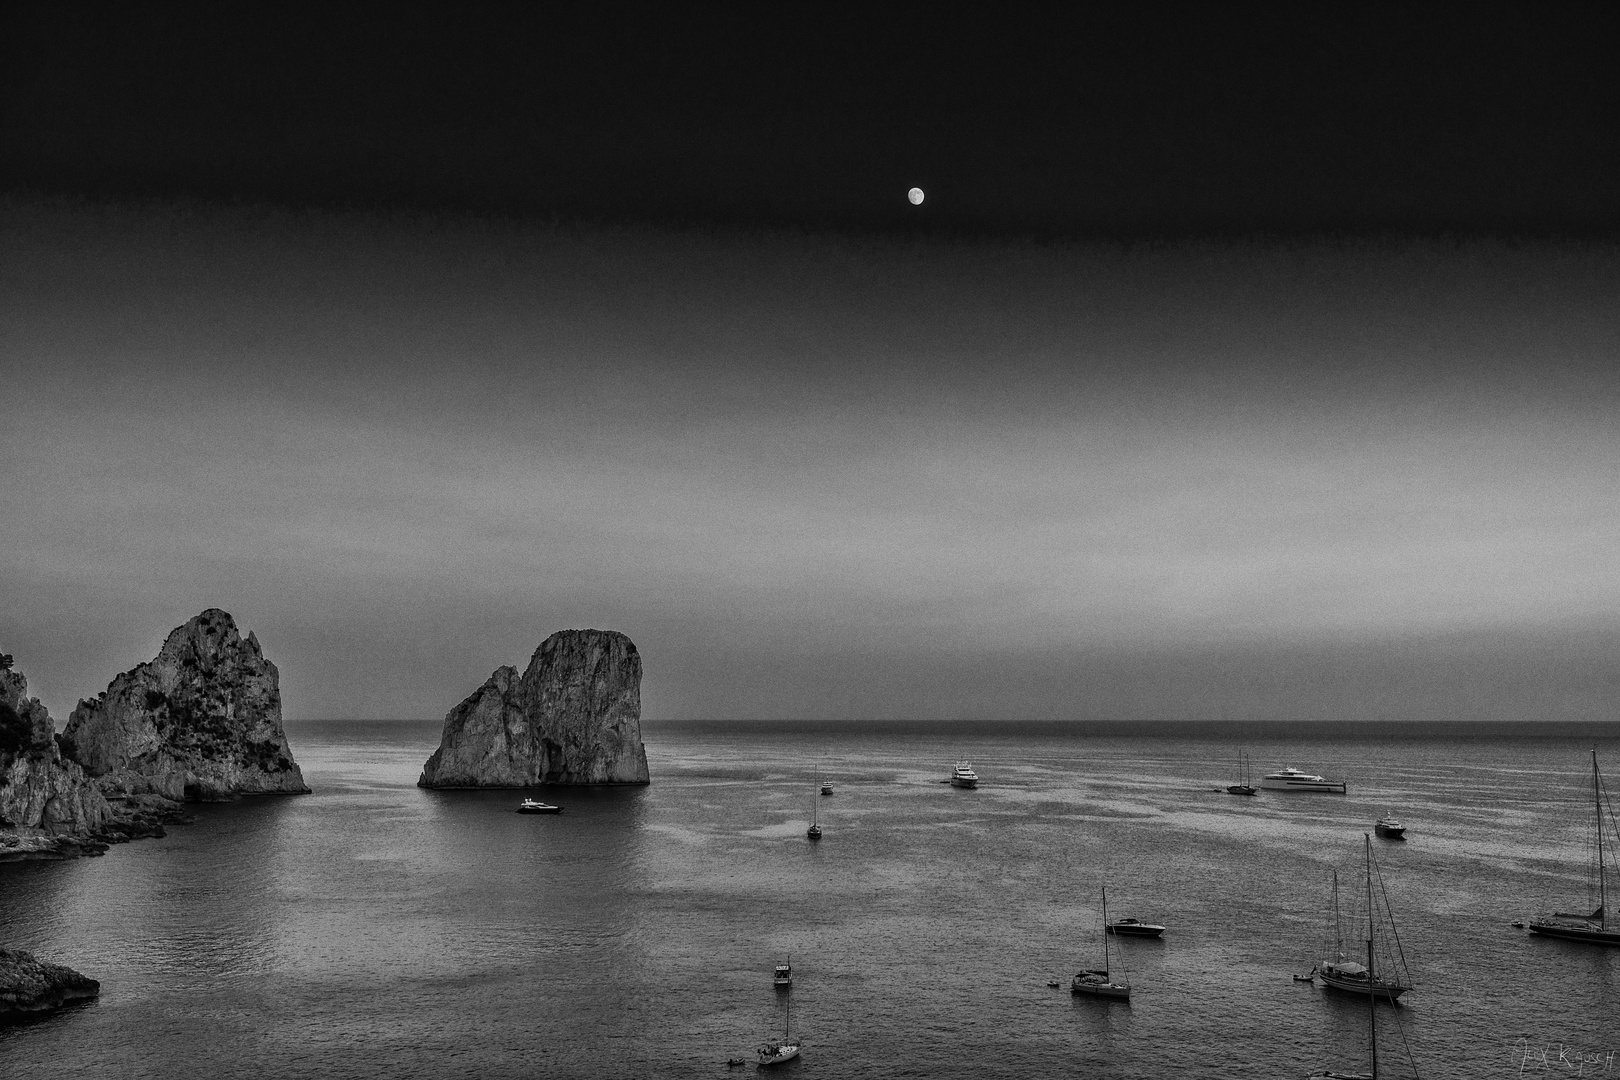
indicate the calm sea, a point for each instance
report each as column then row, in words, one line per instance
column 374, row 929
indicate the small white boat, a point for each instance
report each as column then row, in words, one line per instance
column 1295, row 780
column 530, row 806
column 964, row 776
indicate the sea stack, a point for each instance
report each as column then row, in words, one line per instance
column 574, row 717
column 201, row 721
column 49, row 809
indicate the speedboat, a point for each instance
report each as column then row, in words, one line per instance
column 1390, row 828
column 964, row 776
column 1096, row 983
column 783, row 979
column 530, row 806
column 1294, row 780
column 1134, row 928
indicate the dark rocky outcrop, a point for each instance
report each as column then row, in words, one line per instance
column 49, row 809
column 574, row 717
column 29, row 986
column 201, row 721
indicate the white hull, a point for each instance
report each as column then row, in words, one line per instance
column 781, row 1054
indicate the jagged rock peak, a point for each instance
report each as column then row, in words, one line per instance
column 573, row 717
column 201, row 720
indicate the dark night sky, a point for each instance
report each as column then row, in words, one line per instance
column 1200, row 118
column 1240, row 362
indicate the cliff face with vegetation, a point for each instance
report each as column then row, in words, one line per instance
column 573, row 717
column 200, row 721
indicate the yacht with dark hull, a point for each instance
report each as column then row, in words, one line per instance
column 1593, row 929
column 1134, row 928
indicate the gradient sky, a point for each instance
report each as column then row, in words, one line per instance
column 1240, row 362
column 814, row 475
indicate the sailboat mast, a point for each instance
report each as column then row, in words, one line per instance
column 1372, row 997
column 1597, row 805
column 1106, row 965
column 1371, row 974
column 1338, row 923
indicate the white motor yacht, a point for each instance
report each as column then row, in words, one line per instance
column 964, row 776
column 1294, row 780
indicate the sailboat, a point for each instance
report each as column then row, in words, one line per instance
column 786, row 1049
column 1247, row 787
column 814, row 831
column 1369, row 989
column 1096, row 982
column 1355, row 978
column 1593, row 928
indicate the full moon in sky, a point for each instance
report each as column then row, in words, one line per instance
column 915, row 195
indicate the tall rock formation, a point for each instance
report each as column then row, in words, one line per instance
column 201, row 721
column 49, row 809
column 574, row 717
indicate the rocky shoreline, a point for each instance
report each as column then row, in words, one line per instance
column 30, row 986
column 201, row 722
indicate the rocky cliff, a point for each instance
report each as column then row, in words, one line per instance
column 574, row 717
column 48, row 807
column 201, row 721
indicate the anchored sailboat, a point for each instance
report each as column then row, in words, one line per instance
column 1369, row 988
column 1356, row 978
column 814, row 831
column 1096, row 982
column 1593, row 928
column 1247, row 787
column 776, row 1052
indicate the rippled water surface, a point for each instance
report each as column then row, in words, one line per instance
column 375, row 929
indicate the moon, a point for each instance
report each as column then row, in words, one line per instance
column 915, row 195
